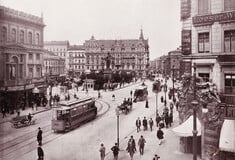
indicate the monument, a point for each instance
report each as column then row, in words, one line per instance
column 108, row 70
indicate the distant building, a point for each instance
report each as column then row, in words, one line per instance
column 60, row 48
column 21, row 57
column 54, row 67
column 77, row 60
column 175, row 59
column 129, row 55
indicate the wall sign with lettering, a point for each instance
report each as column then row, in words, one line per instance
column 186, row 42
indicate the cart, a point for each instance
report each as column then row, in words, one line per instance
column 22, row 121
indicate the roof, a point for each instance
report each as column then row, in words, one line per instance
column 56, row 42
column 73, row 101
column 76, row 47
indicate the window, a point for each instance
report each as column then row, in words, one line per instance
column 229, row 80
column 30, row 38
column 204, row 76
column 229, row 41
column 203, row 6
column 4, row 34
column 38, row 56
column 30, row 72
column 37, row 38
column 122, row 49
column 112, row 49
column 38, row 72
column 30, row 56
column 203, row 42
column 132, row 49
column 21, row 36
column 13, row 35
column 229, row 5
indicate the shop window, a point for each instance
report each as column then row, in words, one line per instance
column 203, row 42
column 4, row 34
column 229, row 41
column 205, row 76
column 203, row 6
column 13, row 35
column 30, row 38
column 31, row 72
column 21, row 36
column 229, row 5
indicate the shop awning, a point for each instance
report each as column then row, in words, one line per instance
column 227, row 136
column 186, row 128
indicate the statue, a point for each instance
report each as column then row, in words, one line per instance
column 108, row 61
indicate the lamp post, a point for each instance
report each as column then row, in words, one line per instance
column 173, row 79
column 165, row 90
column 194, row 104
column 117, row 114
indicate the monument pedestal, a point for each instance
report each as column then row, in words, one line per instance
column 108, row 73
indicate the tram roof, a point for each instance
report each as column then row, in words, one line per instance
column 74, row 101
column 141, row 87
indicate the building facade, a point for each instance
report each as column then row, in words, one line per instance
column 131, row 55
column 21, row 56
column 208, row 42
column 54, row 67
column 60, row 48
column 77, row 60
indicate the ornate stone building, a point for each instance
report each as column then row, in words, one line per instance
column 130, row 55
column 21, row 56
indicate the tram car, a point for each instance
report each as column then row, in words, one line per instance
column 141, row 93
column 73, row 113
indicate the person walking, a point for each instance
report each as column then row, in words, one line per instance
column 29, row 118
column 102, row 151
column 141, row 144
column 115, row 150
column 160, row 135
column 39, row 136
column 131, row 147
column 138, row 124
column 158, row 119
column 147, row 104
column 113, row 96
column 151, row 124
column 3, row 112
column 40, row 152
column 145, row 124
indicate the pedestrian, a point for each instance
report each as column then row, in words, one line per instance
column 147, row 104
column 39, row 136
column 151, row 124
column 113, row 96
column 170, row 118
column 138, row 124
column 102, row 151
column 3, row 112
column 160, row 135
column 131, row 93
column 131, row 147
column 141, row 144
column 18, row 112
column 162, row 99
column 115, row 150
column 29, row 117
column 40, row 152
column 145, row 124
column 158, row 119
column 156, row 157
column 166, row 118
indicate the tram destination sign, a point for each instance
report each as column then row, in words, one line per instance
column 210, row 19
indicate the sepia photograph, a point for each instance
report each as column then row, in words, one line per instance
column 117, row 79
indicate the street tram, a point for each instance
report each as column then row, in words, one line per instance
column 141, row 93
column 73, row 113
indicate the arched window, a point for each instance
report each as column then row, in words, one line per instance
column 13, row 35
column 13, row 68
column 37, row 39
column 4, row 34
column 21, row 36
column 30, row 38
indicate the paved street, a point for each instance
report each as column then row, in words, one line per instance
column 81, row 142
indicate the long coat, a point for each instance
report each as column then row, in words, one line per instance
column 131, row 147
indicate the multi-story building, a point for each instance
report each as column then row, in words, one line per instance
column 175, row 62
column 130, row 55
column 54, row 67
column 77, row 60
column 60, row 48
column 21, row 56
column 208, row 41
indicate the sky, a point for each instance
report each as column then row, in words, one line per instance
column 77, row 20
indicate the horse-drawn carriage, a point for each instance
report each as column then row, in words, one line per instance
column 141, row 93
column 22, row 121
column 126, row 106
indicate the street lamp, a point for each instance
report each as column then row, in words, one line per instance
column 194, row 104
column 117, row 114
column 173, row 76
column 165, row 90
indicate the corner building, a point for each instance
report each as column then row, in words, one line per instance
column 21, row 57
column 129, row 55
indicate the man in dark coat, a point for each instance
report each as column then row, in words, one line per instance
column 115, row 150
column 131, row 147
column 40, row 153
column 138, row 124
column 160, row 135
column 151, row 124
column 145, row 124
column 158, row 119
column 39, row 136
